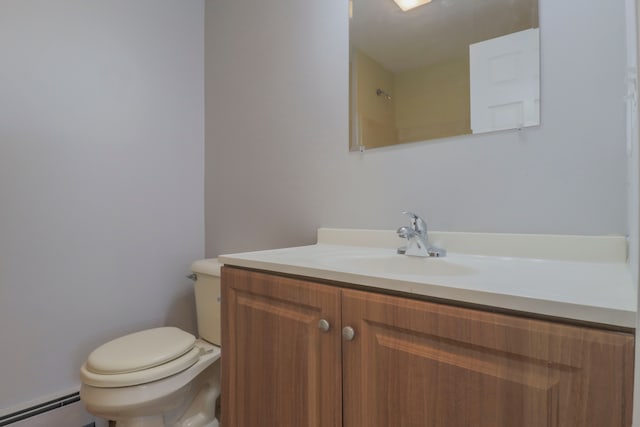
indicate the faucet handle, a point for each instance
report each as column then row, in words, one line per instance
column 417, row 223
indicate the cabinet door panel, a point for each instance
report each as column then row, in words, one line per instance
column 415, row 363
column 278, row 368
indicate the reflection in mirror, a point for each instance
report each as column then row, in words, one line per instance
column 446, row 68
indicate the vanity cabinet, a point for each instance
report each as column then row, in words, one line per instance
column 409, row 362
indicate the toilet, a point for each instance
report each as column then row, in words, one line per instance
column 163, row 376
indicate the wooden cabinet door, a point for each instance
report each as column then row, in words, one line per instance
column 414, row 363
column 278, row 368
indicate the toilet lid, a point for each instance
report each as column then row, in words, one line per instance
column 141, row 377
column 140, row 351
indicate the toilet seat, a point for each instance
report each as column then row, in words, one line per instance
column 140, row 358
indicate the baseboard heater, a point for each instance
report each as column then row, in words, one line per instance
column 19, row 418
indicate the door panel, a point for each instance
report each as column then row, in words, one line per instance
column 279, row 369
column 415, row 363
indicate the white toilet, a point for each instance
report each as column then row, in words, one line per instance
column 163, row 376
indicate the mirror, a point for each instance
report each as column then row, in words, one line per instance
column 446, row 68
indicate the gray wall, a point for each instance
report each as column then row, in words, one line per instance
column 101, row 180
column 277, row 165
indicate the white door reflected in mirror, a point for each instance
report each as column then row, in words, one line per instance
column 505, row 82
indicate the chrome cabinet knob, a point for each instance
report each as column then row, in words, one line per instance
column 324, row 325
column 348, row 333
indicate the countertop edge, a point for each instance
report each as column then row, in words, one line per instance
column 557, row 309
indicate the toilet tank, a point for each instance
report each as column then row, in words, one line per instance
column 207, row 294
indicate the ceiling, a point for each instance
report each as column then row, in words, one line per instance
column 436, row 32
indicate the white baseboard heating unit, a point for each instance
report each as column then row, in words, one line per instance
column 65, row 411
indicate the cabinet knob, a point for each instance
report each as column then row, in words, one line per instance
column 324, row 325
column 348, row 333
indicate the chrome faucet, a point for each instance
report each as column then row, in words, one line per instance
column 417, row 239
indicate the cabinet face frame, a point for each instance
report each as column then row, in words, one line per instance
column 561, row 374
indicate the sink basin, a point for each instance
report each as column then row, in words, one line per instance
column 385, row 264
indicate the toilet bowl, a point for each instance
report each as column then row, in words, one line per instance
column 163, row 376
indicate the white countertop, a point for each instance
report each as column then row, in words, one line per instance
column 588, row 279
